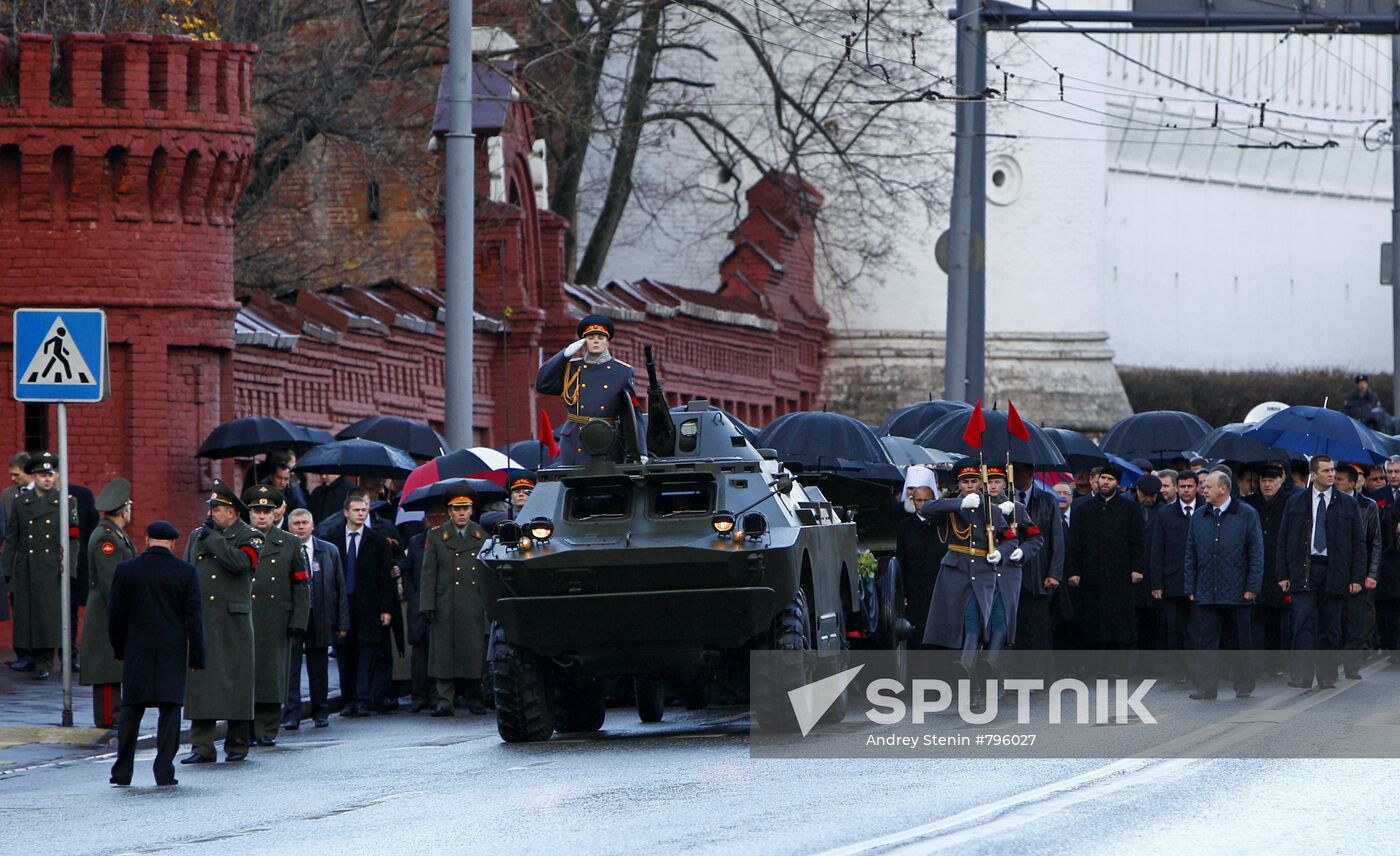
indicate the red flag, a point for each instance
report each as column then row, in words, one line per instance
column 547, row 434
column 1014, row 426
column 976, row 425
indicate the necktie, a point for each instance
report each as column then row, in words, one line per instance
column 306, row 557
column 1021, row 497
column 1217, row 513
column 1320, row 525
column 350, row 563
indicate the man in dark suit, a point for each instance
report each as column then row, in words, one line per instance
column 363, row 656
column 410, row 567
column 1166, row 560
column 156, row 628
column 1356, row 609
column 1272, row 629
column 1322, row 558
column 328, row 625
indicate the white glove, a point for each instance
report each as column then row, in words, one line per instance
column 1007, row 507
column 575, row 347
column 994, row 557
column 1016, row 555
column 972, row 500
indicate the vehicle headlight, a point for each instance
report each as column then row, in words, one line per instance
column 525, row 542
column 508, row 533
column 723, row 522
column 541, row 528
column 755, row 524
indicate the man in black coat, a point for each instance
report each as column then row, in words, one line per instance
column 1166, row 561
column 1042, row 572
column 328, row 624
column 366, row 669
column 1322, row 558
column 410, row 567
column 1107, row 559
column 1272, row 628
column 919, row 548
column 156, row 627
column 1388, row 586
column 1356, row 610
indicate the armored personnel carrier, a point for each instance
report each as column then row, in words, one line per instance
column 669, row 570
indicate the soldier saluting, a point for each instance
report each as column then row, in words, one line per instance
column 224, row 552
column 34, row 567
column 451, row 603
column 108, row 547
column 594, row 387
column 281, row 606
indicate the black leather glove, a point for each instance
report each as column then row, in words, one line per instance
column 209, row 525
column 427, row 615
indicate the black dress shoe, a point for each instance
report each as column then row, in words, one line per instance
column 291, row 726
column 170, row 784
column 267, row 741
column 441, row 711
column 1355, row 676
column 41, row 676
column 235, row 758
column 24, row 664
column 119, row 784
column 322, row 722
column 196, row 758
column 1301, row 685
column 1200, row 696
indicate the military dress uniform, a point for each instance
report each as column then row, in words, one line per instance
column 974, row 601
column 451, row 600
column 592, row 388
column 224, row 560
column 281, row 607
column 108, row 547
column 34, row 567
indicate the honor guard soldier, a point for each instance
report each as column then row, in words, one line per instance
column 224, row 552
column 34, row 567
column 108, row 547
column 974, row 599
column 451, row 603
column 594, row 387
column 281, row 606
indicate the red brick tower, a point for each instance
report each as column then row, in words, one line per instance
column 121, row 160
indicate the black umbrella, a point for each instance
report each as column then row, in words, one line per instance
column 829, row 442
column 915, row 419
column 255, row 435
column 1158, row 435
column 357, row 458
column 424, row 498
column 530, row 454
column 947, row 435
column 1080, row 452
column 1228, row 443
column 418, row 440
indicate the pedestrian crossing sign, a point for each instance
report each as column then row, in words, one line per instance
column 60, row 355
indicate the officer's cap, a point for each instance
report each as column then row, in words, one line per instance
column 1271, row 469
column 222, row 494
column 461, row 496
column 596, row 324
column 522, row 479
column 996, row 471
column 967, row 467
column 44, row 462
column 263, row 497
column 116, row 494
column 162, row 530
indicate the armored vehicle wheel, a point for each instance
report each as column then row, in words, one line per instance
column 651, row 699
column 582, row 707
column 523, row 711
column 770, row 695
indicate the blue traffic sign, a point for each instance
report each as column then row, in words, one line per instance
column 60, row 355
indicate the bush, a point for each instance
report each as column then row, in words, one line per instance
column 1222, row 397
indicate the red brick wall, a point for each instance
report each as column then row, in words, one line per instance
column 123, row 199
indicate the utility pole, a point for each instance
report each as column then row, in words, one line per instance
column 460, row 232
column 963, row 368
column 1395, row 220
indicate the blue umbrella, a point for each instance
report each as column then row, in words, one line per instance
column 1318, row 431
column 1231, row 443
column 829, row 442
column 357, row 458
column 915, row 419
column 1158, row 435
column 418, row 440
column 428, row 496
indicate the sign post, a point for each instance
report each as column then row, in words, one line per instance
column 60, row 356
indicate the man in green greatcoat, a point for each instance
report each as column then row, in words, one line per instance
column 108, row 547
column 450, row 601
column 34, row 567
column 281, row 605
column 224, row 552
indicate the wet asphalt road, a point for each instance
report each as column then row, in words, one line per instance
column 413, row 784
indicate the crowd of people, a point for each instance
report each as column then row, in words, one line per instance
column 275, row 580
column 1297, row 560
